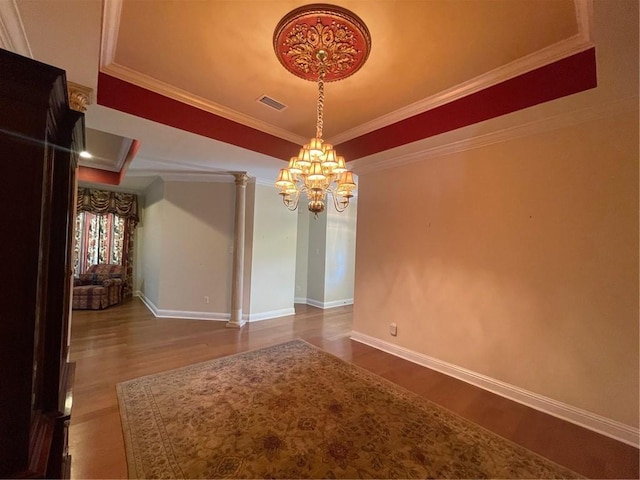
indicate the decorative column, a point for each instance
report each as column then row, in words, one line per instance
column 238, row 252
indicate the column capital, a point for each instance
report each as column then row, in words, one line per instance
column 79, row 96
column 241, row 178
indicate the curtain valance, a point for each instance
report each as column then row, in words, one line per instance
column 103, row 201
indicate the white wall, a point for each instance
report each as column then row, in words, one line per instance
column 185, row 251
column 150, row 253
column 197, row 246
column 317, row 258
column 340, row 255
column 250, row 208
column 138, row 242
column 302, row 255
column 273, row 256
column 330, row 256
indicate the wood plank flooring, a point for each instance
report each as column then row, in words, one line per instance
column 127, row 341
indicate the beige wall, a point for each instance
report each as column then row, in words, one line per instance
column 186, row 250
column 518, row 261
column 138, row 241
column 149, row 255
column 197, row 242
column 186, row 246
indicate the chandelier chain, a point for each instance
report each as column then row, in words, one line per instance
column 320, row 120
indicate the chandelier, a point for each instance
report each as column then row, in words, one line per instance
column 322, row 43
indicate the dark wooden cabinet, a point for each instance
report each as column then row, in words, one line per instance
column 40, row 138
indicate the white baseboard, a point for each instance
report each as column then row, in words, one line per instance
column 300, row 300
column 160, row 313
column 255, row 317
column 611, row 428
column 325, row 305
column 223, row 317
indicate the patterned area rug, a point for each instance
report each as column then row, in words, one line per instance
column 295, row 411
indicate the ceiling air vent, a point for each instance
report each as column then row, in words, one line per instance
column 270, row 102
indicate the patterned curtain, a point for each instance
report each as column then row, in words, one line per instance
column 104, row 230
column 99, row 239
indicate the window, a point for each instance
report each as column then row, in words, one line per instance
column 99, row 239
column 105, row 229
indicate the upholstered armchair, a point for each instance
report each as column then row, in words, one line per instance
column 98, row 288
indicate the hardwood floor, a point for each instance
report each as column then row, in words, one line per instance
column 127, row 341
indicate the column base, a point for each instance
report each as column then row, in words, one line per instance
column 238, row 325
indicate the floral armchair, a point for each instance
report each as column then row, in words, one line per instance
column 98, row 288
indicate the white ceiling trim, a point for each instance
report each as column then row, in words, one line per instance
column 98, row 165
column 111, row 11
column 558, row 51
column 128, row 75
column 125, row 147
column 111, row 188
column 181, row 176
column 12, row 34
column 584, row 16
column 627, row 105
column 565, row 48
column 123, row 152
column 265, row 182
column 170, row 166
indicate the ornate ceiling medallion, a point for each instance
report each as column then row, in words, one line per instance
column 310, row 32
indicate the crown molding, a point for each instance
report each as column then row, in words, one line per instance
column 125, row 148
column 265, row 182
column 169, row 167
column 109, row 188
column 12, row 34
column 111, row 11
column 149, row 83
column 584, row 17
column 565, row 48
column 182, row 176
column 204, row 177
column 605, row 110
column 123, row 152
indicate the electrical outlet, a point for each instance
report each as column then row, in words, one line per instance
column 206, row 299
column 393, row 329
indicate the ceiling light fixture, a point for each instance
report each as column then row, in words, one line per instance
column 85, row 154
column 322, row 43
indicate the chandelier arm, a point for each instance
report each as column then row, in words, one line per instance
column 339, row 206
column 292, row 204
